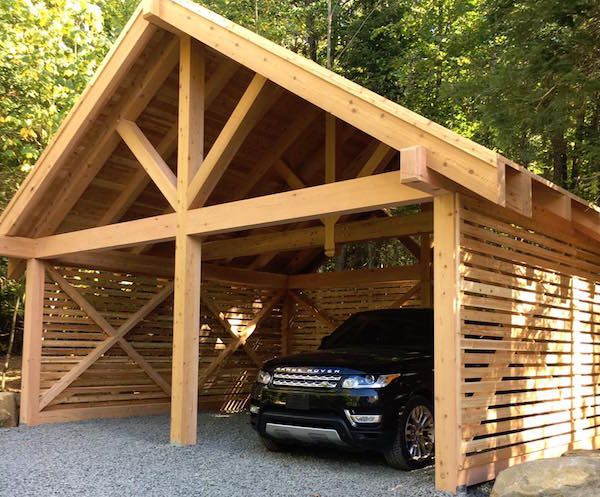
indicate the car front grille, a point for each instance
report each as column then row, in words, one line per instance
column 306, row 377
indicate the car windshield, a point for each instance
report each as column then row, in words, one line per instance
column 391, row 331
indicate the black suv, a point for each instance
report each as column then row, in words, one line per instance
column 368, row 386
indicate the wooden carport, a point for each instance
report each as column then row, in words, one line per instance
column 201, row 140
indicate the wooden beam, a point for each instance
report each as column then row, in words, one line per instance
column 274, row 152
column 380, row 156
column 318, row 314
column 186, row 308
column 32, row 342
column 342, row 197
column 330, row 166
column 446, row 241
column 17, row 247
column 165, row 148
column 119, row 235
column 115, row 67
column 279, row 241
column 164, row 267
column 150, row 159
column 415, row 172
column 248, row 277
column 360, row 278
column 518, row 187
column 255, row 102
column 130, row 106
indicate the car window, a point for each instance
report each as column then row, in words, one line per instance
column 408, row 332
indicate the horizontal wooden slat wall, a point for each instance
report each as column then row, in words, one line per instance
column 115, row 384
column 530, row 343
column 316, row 312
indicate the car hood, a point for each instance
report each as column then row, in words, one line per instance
column 366, row 361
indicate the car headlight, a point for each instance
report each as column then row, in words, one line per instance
column 369, row 381
column 264, row 377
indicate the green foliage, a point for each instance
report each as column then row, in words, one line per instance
column 49, row 49
column 520, row 76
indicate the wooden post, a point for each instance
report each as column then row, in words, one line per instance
column 186, row 319
column 330, row 166
column 32, row 342
column 425, row 262
column 446, row 239
column 286, row 316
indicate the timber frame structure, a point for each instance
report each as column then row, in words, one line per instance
column 171, row 229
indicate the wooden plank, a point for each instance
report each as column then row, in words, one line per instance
column 106, row 327
column 150, row 159
column 17, row 247
column 318, row 314
column 186, row 309
column 98, row 412
column 32, row 342
column 446, row 238
column 353, row 279
column 343, row 197
column 111, row 72
column 255, row 102
column 133, row 320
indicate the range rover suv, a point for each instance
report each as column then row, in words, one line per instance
column 369, row 386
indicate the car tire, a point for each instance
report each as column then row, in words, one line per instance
column 272, row 445
column 413, row 444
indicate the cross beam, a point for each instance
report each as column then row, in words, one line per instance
column 343, row 197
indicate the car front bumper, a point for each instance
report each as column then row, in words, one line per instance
column 321, row 417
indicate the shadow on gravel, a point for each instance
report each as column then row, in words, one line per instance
column 133, row 457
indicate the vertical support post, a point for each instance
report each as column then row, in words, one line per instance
column 186, row 319
column 446, row 241
column 286, row 317
column 330, row 165
column 425, row 262
column 32, row 342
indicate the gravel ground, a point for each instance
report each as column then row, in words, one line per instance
column 132, row 457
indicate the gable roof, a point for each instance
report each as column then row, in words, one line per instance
column 69, row 164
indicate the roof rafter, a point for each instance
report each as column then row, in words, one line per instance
column 255, row 102
column 131, row 43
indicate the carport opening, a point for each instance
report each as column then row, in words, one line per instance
column 247, row 316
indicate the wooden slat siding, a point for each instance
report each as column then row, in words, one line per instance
column 306, row 330
column 114, row 381
column 530, row 343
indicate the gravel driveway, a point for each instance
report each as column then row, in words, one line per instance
column 132, row 457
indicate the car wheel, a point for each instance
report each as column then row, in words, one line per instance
column 272, row 445
column 413, row 444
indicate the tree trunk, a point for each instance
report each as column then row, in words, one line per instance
column 11, row 342
column 559, row 159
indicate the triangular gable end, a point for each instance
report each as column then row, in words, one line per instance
column 449, row 161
